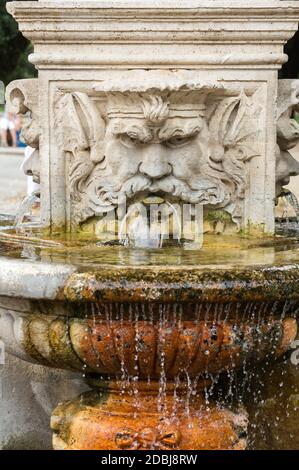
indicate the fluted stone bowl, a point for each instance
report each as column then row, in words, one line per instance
column 198, row 320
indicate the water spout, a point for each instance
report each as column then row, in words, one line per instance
column 149, row 225
column 26, row 208
column 292, row 201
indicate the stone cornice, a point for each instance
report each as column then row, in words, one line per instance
column 123, row 24
column 254, row 8
column 125, row 21
column 241, row 61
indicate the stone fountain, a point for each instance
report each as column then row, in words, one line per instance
column 162, row 138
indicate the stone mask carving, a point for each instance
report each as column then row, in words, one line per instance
column 287, row 133
column 188, row 144
column 155, row 146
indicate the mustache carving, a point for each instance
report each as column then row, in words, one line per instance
column 204, row 191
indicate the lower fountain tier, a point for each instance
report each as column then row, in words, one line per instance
column 115, row 319
column 147, row 325
column 149, row 347
column 144, row 415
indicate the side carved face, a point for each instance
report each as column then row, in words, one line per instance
column 162, row 150
column 287, row 135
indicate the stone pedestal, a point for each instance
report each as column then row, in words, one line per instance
column 116, row 418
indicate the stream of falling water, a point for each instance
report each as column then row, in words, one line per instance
column 136, row 362
column 293, row 201
column 224, row 388
column 26, row 208
column 288, row 219
column 162, row 406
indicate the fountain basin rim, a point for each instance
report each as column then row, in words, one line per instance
column 147, row 284
column 32, row 280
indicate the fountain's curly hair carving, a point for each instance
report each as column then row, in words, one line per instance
column 155, row 110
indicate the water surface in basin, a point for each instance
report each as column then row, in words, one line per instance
column 217, row 250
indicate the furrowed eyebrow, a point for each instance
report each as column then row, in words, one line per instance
column 178, row 132
column 143, row 134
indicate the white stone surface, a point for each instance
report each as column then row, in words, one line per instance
column 171, row 3
column 32, row 280
column 29, row 393
column 294, row 182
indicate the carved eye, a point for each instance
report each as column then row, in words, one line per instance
column 129, row 140
column 177, row 142
column 133, row 140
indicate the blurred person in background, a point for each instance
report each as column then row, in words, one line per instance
column 18, row 127
column 8, row 130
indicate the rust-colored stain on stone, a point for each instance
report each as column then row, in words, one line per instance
column 182, row 284
column 137, row 334
column 118, row 347
column 138, row 359
column 110, row 420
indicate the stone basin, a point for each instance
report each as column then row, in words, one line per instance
column 136, row 332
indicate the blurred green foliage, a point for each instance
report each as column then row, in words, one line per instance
column 14, row 49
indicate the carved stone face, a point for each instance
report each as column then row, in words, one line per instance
column 287, row 135
column 158, row 148
column 31, row 166
column 187, row 144
column 286, row 167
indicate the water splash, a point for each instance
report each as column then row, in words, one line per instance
column 26, row 208
column 289, row 201
column 292, row 199
column 150, row 225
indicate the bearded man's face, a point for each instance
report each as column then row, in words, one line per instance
column 163, row 156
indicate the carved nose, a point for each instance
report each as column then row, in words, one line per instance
column 154, row 164
column 292, row 164
column 294, row 169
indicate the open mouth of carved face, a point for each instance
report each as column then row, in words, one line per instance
column 139, row 188
column 155, row 213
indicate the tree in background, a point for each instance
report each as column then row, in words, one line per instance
column 291, row 68
column 14, row 49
